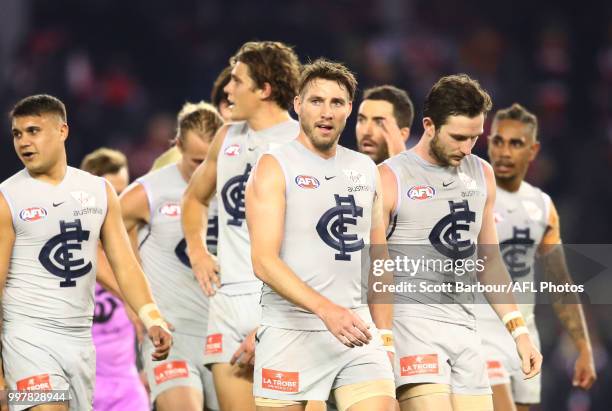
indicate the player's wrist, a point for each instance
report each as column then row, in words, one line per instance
column 150, row 316
column 386, row 336
column 515, row 324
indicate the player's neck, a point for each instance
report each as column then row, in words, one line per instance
column 266, row 116
column 509, row 185
column 422, row 149
column 305, row 141
column 182, row 168
column 54, row 175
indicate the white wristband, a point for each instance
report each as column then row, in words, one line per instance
column 386, row 337
column 150, row 316
column 519, row 331
column 515, row 324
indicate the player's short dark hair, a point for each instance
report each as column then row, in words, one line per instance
column 104, row 161
column 403, row 109
column 456, row 95
column 328, row 70
column 519, row 113
column 201, row 118
column 37, row 105
column 217, row 95
column 274, row 63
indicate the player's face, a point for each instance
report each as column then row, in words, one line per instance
column 511, row 148
column 194, row 149
column 369, row 131
column 455, row 139
column 118, row 180
column 242, row 93
column 323, row 109
column 39, row 141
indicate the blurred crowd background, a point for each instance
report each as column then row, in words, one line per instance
column 124, row 68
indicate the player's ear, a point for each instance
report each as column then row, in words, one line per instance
column 429, row 127
column 405, row 132
column 265, row 91
column 297, row 103
column 64, row 131
column 535, row 149
column 179, row 143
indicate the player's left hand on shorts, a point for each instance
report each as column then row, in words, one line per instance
column 345, row 325
column 584, row 370
column 162, row 341
column 531, row 359
column 245, row 354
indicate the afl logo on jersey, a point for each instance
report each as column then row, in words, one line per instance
column 421, row 192
column 232, row 150
column 33, row 214
column 308, row 182
column 170, row 209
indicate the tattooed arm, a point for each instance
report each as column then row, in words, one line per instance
column 567, row 306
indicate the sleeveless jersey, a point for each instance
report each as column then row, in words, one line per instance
column 52, row 270
column 114, row 337
column 437, row 221
column 327, row 224
column 521, row 219
column 239, row 153
column 164, row 257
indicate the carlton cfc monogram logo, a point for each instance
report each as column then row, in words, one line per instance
column 232, row 195
column 332, row 227
column 514, row 251
column 56, row 255
column 446, row 234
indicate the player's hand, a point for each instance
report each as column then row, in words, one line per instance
column 345, row 325
column 531, row 359
column 584, row 370
column 162, row 341
column 392, row 135
column 206, row 269
column 245, row 354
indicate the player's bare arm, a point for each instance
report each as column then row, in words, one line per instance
column 194, row 208
column 567, row 307
column 265, row 211
column 7, row 239
column 105, row 276
column 389, row 193
column 381, row 306
column 130, row 277
column 495, row 272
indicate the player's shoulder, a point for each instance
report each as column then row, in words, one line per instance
column 159, row 173
column 354, row 155
column 15, row 179
column 534, row 192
